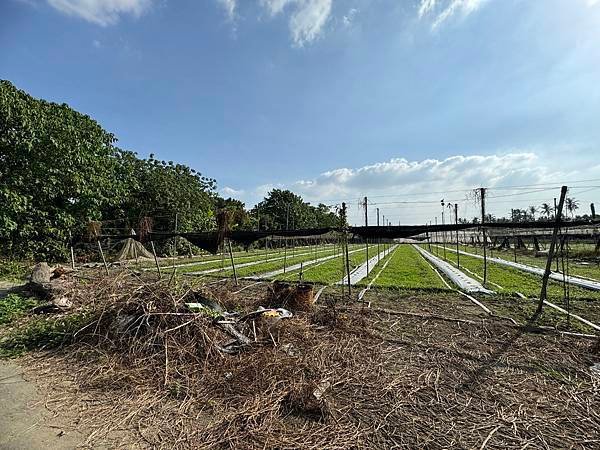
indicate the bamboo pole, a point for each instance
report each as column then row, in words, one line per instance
column 72, row 251
column 103, row 258
column 232, row 262
column 155, row 259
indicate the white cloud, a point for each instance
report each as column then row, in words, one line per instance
column 442, row 10
column 349, row 17
column 426, row 7
column 101, row 12
column 230, row 7
column 96, row 43
column 402, row 175
column 411, row 190
column 307, row 19
column 231, row 192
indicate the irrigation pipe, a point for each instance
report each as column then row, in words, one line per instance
column 581, row 319
column 458, row 277
column 556, row 276
column 364, row 269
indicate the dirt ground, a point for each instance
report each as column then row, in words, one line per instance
column 25, row 423
column 413, row 370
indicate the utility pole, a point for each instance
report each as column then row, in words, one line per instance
column 367, row 239
column 482, row 192
column 456, row 222
column 543, row 295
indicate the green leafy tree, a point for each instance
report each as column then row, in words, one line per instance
column 57, row 169
column 60, row 170
column 282, row 209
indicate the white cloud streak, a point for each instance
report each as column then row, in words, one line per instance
column 101, row 12
column 307, row 19
column 229, row 6
column 443, row 10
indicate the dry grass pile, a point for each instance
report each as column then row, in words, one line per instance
column 332, row 378
column 293, row 385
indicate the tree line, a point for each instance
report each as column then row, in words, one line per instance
column 534, row 213
column 60, row 170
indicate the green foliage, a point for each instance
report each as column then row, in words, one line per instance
column 408, row 270
column 11, row 270
column 42, row 333
column 59, row 170
column 282, row 209
column 14, row 306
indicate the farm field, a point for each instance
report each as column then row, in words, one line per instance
column 505, row 302
column 240, row 256
column 576, row 267
column 262, row 266
column 513, row 281
column 332, row 271
column 261, row 260
column 406, row 270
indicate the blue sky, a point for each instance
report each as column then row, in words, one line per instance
column 335, row 99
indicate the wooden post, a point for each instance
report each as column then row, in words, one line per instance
column 457, row 246
column 482, row 191
column 345, row 242
column 175, row 242
column 436, row 237
column 287, row 223
column 444, row 231
column 378, row 239
column 103, row 258
column 72, row 251
column 543, row 294
column 222, row 257
column 155, row 259
column 555, row 209
column 267, row 249
column 232, row 262
column 367, row 239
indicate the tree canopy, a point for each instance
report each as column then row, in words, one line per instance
column 59, row 170
column 282, row 209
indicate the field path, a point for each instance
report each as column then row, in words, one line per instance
column 24, row 422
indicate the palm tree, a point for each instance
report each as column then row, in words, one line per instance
column 532, row 210
column 546, row 210
column 572, row 205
